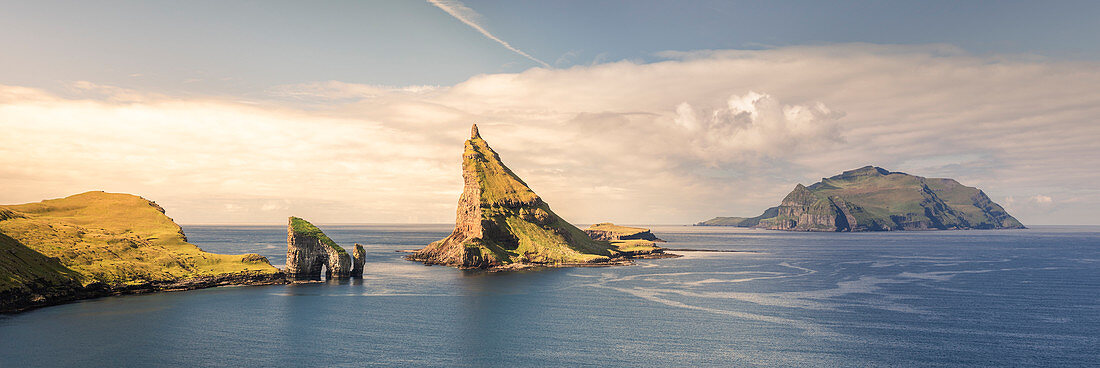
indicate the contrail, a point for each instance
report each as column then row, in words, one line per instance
column 470, row 17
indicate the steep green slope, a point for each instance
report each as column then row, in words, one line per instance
column 305, row 228
column 117, row 240
column 874, row 199
column 501, row 221
column 26, row 275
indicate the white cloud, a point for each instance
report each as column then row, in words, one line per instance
column 707, row 134
column 1041, row 199
column 471, row 18
column 757, row 123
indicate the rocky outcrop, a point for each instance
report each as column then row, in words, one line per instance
column 802, row 210
column 611, row 232
column 358, row 258
column 501, row 222
column 875, row 199
column 309, row 252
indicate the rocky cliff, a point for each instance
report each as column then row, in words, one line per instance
column 97, row 243
column 309, row 252
column 358, row 258
column 874, row 199
column 501, row 222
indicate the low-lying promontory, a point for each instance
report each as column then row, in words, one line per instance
column 97, row 244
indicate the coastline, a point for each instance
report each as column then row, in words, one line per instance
column 52, row 296
column 623, row 260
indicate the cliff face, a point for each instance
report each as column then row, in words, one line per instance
column 500, row 221
column 874, row 199
column 97, row 243
column 309, row 251
column 802, row 210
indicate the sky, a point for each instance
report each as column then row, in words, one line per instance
column 636, row 112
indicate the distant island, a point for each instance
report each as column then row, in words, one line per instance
column 96, row 244
column 502, row 224
column 875, row 199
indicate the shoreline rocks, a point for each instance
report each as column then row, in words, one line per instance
column 45, row 298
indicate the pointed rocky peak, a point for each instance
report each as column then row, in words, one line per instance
column 496, row 183
column 799, row 196
column 473, row 132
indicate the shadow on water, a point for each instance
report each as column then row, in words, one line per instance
column 498, row 310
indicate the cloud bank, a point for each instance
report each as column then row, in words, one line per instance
column 702, row 134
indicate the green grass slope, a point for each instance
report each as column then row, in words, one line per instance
column 109, row 238
column 26, row 274
column 305, row 228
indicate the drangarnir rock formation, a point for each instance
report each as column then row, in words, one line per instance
column 875, row 199
column 309, row 251
column 501, row 222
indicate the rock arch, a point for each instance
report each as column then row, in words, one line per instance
column 308, row 250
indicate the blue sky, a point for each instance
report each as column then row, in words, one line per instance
column 236, row 47
column 644, row 112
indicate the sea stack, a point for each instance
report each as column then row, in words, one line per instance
column 358, row 258
column 500, row 221
column 308, row 250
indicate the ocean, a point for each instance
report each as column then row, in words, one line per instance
column 990, row 298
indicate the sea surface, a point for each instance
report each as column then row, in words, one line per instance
column 899, row 299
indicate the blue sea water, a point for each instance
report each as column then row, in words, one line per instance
column 899, row 299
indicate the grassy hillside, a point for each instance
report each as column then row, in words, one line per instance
column 25, row 272
column 108, row 238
